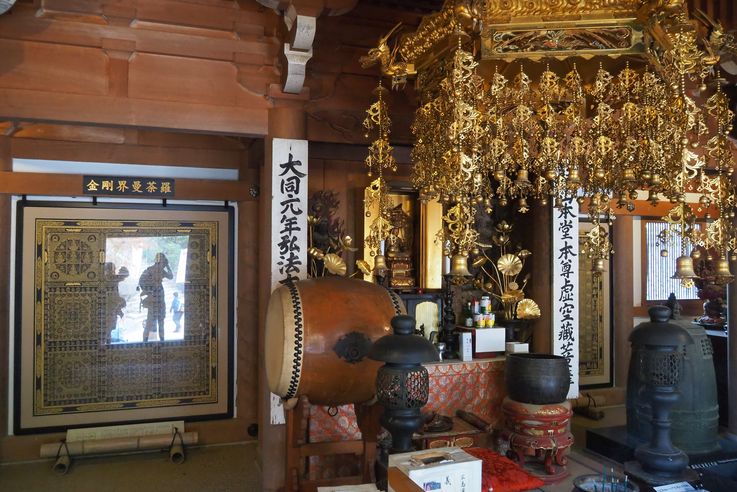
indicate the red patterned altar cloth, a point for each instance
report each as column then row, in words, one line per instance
column 476, row 386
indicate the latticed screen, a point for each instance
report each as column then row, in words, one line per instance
column 662, row 368
column 659, row 283
column 393, row 394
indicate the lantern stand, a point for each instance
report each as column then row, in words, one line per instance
column 661, row 344
column 449, row 321
column 402, row 385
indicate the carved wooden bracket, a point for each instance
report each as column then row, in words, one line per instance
column 300, row 18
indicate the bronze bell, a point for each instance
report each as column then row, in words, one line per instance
column 380, row 267
column 597, row 265
column 459, row 266
column 523, row 179
column 684, row 268
column 722, row 274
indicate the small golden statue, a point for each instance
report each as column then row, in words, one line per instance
column 399, row 249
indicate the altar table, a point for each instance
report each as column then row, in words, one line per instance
column 476, row 386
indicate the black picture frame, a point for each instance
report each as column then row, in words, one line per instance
column 222, row 331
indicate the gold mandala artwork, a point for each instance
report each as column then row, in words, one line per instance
column 125, row 317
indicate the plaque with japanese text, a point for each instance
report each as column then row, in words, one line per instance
column 565, row 288
column 128, row 186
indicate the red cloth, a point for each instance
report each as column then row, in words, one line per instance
column 501, row 474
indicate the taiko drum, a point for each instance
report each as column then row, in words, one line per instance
column 318, row 333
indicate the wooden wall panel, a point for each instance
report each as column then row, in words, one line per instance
column 72, row 69
column 169, row 78
column 40, row 66
column 30, row 148
column 166, row 148
column 622, row 296
column 724, row 11
column 120, row 145
column 68, row 133
column 17, row 104
column 5, row 165
column 189, row 14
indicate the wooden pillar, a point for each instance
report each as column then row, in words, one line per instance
column 6, row 164
column 732, row 356
column 732, row 343
column 622, row 299
column 287, row 119
column 538, row 239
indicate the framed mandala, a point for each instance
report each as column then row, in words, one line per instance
column 122, row 314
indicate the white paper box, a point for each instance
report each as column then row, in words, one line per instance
column 463, row 474
column 466, row 345
column 489, row 340
column 517, row 348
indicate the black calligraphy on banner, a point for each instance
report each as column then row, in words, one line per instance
column 566, row 305
column 291, row 208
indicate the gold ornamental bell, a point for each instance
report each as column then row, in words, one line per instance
column 684, row 268
column 380, row 266
column 597, row 266
column 722, row 274
column 459, row 266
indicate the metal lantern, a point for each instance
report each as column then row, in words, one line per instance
column 402, row 383
column 660, row 345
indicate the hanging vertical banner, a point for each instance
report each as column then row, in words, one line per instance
column 565, row 288
column 288, row 211
column 288, row 223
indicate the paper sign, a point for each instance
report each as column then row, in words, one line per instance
column 288, row 224
column 565, row 288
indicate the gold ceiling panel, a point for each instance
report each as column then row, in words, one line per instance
column 498, row 10
column 560, row 41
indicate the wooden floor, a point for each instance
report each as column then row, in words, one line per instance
column 231, row 468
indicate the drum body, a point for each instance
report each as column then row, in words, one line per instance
column 318, row 332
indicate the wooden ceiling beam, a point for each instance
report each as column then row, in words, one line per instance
column 142, row 113
column 49, row 184
column 30, row 148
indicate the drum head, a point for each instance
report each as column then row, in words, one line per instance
column 279, row 344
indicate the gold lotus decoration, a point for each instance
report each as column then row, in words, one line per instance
column 511, row 138
column 509, row 265
column 364, row 267
column 528, row 309
column 326, row 240
column 335, row 264
column 500, row 278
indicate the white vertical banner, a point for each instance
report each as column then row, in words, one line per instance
column 288, row 223
column 565, row 288
column 288, row 211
